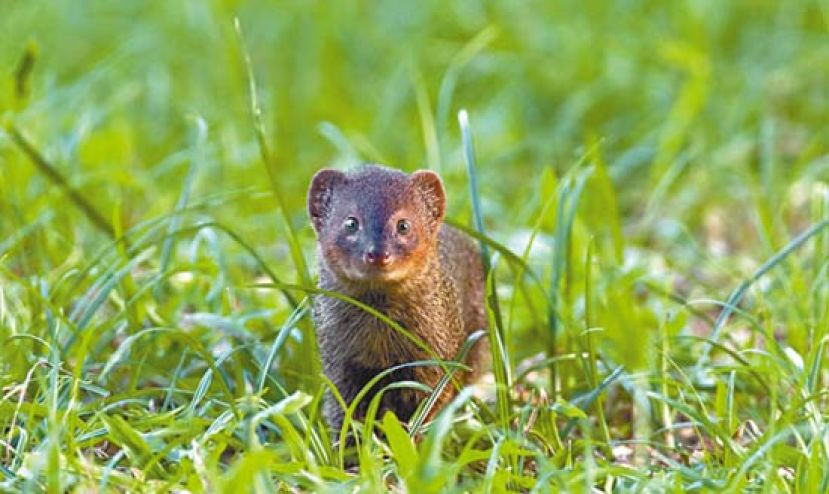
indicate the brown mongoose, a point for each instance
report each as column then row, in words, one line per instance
column 381, row 240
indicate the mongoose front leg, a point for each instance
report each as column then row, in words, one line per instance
column 349, row 380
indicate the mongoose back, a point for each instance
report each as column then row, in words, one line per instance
column 381, row 240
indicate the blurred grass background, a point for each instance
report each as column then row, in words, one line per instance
column 697, row 128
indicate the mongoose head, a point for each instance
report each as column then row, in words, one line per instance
column 375, row 224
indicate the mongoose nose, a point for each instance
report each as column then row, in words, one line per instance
column 377, row 258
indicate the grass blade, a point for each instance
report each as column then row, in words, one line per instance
column 738, row 293
column 52, row 173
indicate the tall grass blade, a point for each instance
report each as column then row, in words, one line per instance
column 52, row 173
column 499, row 359
column 738, row 293
column 196, row 159
column 267, row 160
column 298, row 313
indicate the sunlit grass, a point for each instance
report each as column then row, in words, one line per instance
column 648, row 183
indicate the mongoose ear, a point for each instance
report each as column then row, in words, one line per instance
column 430, row 186
column 320, row 194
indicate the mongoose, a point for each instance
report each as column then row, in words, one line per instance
column 381, row 240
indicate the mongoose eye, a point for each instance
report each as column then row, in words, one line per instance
column 404, row 227
column 351, row 224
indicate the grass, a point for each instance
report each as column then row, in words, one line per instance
column 649, row 181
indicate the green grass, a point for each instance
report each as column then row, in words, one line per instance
column 650, row 181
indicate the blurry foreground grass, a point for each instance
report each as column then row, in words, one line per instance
column 652, row 183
